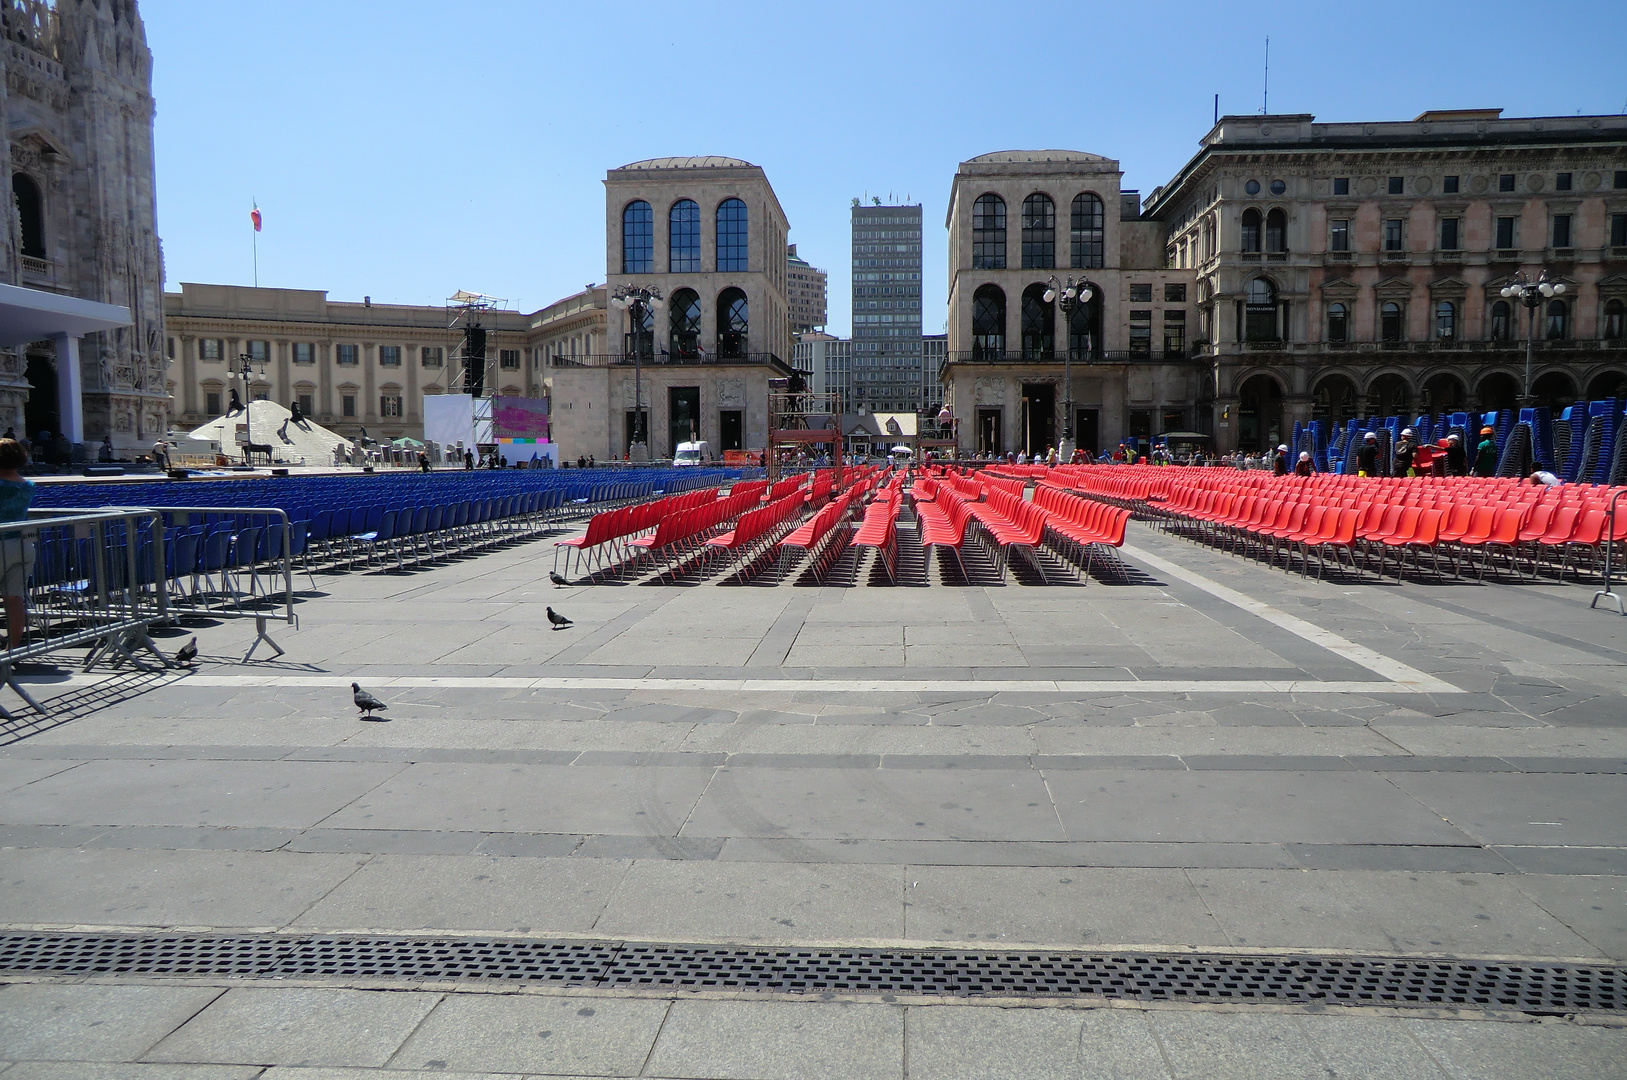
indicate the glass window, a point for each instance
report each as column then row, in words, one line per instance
column 1449, row 185
column 1394, row 233
column 307, row 402
column 1449, row 234
column 733, row 324
column 209, row 348
column 684, row 237
column 1558, row 320
column 684, row 324
column 1251, row 231
column 1446, row 320
column 432, row 355
column 1174, row 335
column 1395, row 187
column 1276, row 232
column 509, row 359
column 1086, row 235
column 1562, row 230
column 389, row 356
column 1141, row 294
column 1390, row 321
column 1174, row 293
column 1083, row 326
column 1252, row 187
column 989, row 233
column 1140, row 333
column 260, row 351
column 304, row 352
column 1261, row 321
column 1618, row 230
column 1620, row 180
column 733, row 246
column 1039, row 232
column 1339, row 234
column 1615, row 320
column 1505, row 232
column 1039, row 325
column 1338, row 323
column 1341, row 185
column 31, row 213
column 346, row 354
column 1562, row 182
column 211, row 402
column 389, row 404
column 637, row 238
column 347, row 404
column 1278, row 187
column 1501, row 321
column 1505, row 182
column 988, row 323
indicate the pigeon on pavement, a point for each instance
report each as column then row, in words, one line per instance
column 554, row 577
column 559, row 621
column 187, row 653
column 366, row 702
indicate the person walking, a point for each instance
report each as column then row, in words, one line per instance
column 1279, row 460
column 1485, row 455
column 16, row 550
column 468, row 460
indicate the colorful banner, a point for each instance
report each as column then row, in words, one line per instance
column 519, row 418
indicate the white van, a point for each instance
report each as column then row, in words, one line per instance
column 692, row 453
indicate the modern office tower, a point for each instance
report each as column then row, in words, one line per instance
column 886, row 308
column 805, row 293
column 934, row 352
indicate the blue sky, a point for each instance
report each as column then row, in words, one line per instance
column 407, row 149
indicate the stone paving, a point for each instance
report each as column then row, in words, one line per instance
column 1215, row 755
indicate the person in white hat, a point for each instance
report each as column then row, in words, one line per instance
column 1404, row 449
column 1279, row 460
column 1304, row 466
column 1367, row 455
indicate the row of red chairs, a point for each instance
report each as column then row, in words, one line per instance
column 819, row 537
column 1083, row 525
column 604, row 540
column 679, row 535
column 756, row 531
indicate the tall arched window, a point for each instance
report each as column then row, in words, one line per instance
column 1389, row 318
column 1615, row 320
column 1087, row 232
column 1085, row 328
column 1276, row 232
column 1338, row 323
column 1251, row 231
column 1039, row 232
column 684, row 324
column 1261, row 322
column 637, row 238
column 1446, row 321
column 684, row 237
column 733, row 324
column 1558, row 327
column 989, row 233
column 1039, row 325
column 1501, row 321
column 30, row 214
column 988, row 323
column 733, row 249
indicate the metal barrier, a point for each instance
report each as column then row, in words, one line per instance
column 215, row 550
column 86, row 578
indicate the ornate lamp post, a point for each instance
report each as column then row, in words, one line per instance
column 1074, row 296
column 1533, row 294
column 244, row 370
column 638, row 300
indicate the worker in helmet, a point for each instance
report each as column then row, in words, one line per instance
column 1485, row 454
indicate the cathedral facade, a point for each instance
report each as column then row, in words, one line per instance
column 76, row 144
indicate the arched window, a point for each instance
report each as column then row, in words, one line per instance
column 732, row 324
column 1558, row 321
column 1039, row 325
column 1251, row 231
column 989, row 233
column 640, row 339
column 733, row 249
column 1276, row 232
column 1390, row 321
column 1501, row 321
column 1615, row 320
column 1338, row 323
column 1039, row 232
column 637, row 238
column 1087, row 234
column 1446, row 321
column 1085, row 328
column 684, row 237
column 988, row 323
column 684, row 324
column 30, row 214
column 1261, row 322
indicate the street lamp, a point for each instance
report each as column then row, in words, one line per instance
column 244, row 369
column 638, row 300
column 1532, row 294
column 1074, row 296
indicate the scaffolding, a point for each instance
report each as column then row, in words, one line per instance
column 465, row 311
column 799, row 418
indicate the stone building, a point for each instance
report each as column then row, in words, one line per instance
column 708, row 235
column 76, row 124
column 1353, row 269
column 807, row 291
column 1025, row 223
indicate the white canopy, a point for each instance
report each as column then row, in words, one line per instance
column 31, row 315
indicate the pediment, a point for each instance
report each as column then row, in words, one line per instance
column 41, row 141
column 1339, row 285
column 1390, row 286
column 1614, row 281
column 1449, row 284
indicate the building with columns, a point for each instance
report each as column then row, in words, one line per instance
column 76, row 123
column 1353, row 269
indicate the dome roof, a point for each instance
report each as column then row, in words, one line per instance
column 1026, row 157
column 708, row 162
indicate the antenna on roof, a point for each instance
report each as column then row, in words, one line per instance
column 1265, row 95
column 1217, row 108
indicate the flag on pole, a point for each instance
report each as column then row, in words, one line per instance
column 254, row 216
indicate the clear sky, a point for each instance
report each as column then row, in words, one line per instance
column 408, row 149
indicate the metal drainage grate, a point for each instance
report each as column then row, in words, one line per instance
column 1528, row 987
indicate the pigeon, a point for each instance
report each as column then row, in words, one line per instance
column 554, row 577
column 366, row 702
column 187, row 653
column 559, row 621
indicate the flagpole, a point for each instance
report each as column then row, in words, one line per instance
column 254, row 221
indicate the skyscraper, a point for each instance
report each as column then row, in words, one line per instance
column 804, row 292
column 886, row 308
